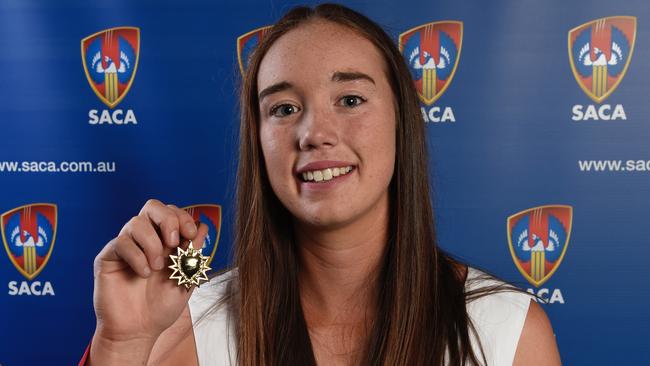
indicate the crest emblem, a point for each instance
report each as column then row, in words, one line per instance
column 432, row 52
column 28, row 233
column 110, row 60
column 211, row 216
column 247, row 43
column 538, row 238
column 600, row 52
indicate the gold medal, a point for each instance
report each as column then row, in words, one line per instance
column 190, row 266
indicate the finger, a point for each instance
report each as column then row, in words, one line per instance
column 201, row 233
column 187, row 223
column 108, row 251
column 145, row 236
column 128, row 251
column 165, row 218
column 198, row 239
column 106, row 255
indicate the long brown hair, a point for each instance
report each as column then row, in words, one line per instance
column 421, row 303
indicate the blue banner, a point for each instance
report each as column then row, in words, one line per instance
column 536, row 112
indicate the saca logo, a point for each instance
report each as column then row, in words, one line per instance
column 110, row 61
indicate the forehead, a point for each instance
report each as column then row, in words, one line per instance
column 314, row 51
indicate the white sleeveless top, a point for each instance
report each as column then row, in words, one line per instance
column 498, row 319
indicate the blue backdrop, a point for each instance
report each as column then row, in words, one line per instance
column 537, row 120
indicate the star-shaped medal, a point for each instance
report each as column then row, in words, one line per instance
column 190, row 266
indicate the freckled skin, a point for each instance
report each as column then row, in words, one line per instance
column 317, row 123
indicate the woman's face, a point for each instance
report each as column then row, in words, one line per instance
column 327, row 124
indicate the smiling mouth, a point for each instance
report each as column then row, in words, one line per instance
column 325, row 175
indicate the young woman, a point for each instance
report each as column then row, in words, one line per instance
column 336, row 258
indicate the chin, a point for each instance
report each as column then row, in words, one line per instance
column 322, row 218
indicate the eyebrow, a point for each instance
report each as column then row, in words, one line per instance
column 275, row 88
column 351, row 76
column 338, row 76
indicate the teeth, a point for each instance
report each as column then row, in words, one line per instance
column 325, row 174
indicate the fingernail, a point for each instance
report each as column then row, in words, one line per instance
column 190, row 228
column 158, row 263
column 174, row 237
column 146, row 271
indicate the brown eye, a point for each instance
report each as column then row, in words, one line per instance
column 351, row 101
column 284, row 110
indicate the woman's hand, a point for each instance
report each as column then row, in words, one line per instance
column 134, row 299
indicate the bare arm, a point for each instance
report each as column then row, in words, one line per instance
column 537, row 345
column 176, row 345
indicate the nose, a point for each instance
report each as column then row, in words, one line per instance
column 318, row 129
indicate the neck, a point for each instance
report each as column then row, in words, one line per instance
column 339, row 268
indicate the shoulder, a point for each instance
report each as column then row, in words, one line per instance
column 212, row 303
column 498, row 313
column 487, row 295
column 212, row 296
column 211, row 309
column 512, row 328
column 537, row 344
column 187, row 339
